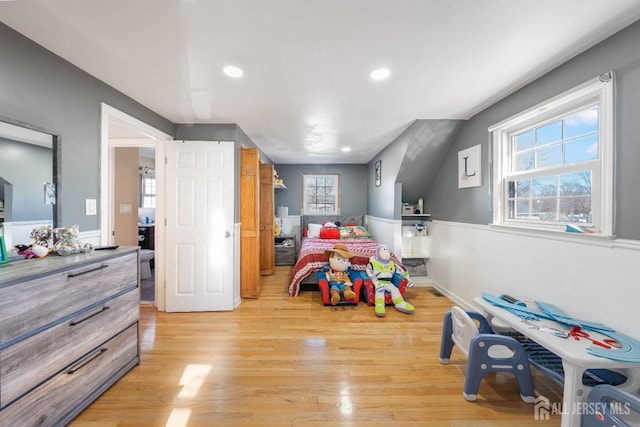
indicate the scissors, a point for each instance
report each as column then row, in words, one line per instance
column 577, row 332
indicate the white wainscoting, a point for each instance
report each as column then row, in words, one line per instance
column 19, row 232
column 388, row 231
column 588, row 278
column 90, row 236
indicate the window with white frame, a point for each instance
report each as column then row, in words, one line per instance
column 147, row 191
column 553, row 164
column 320, row 194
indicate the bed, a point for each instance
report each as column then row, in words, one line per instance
column 311, row 257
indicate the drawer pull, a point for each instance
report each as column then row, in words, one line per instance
column 102, row 310
column 100, row 267
column 83, row 363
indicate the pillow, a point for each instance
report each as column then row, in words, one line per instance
column 330, row 233
column 313, row 230
column 354, row 231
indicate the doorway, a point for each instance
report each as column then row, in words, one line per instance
column 119, row 130
column 134, row 209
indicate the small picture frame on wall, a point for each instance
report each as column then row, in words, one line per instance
column 3, row 251
column 378, row 173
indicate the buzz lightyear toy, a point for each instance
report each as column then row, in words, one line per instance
column 380, row 270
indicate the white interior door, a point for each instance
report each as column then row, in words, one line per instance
column 199, row 230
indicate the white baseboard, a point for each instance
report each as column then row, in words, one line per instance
column 453, row 297
column 422, row 280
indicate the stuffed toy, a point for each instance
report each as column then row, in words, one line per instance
column 329, row 230
column 33, row 251
column 338, row 273
column 66, row 241
column 276, row 227
column 380, row 270
column 42, row 236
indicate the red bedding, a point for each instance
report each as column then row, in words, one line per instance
column 311, row 257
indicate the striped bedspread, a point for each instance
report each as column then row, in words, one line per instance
column 311, row 257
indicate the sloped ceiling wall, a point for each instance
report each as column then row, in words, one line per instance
column 429, row 142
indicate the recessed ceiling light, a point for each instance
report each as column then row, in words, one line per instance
column 233, row 71
column 345, row 149
column 379, row 74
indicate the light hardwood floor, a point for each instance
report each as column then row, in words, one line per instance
column 290, row 361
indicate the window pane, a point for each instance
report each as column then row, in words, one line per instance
column 582, row 150
column 525, row 141
column 523, row 210
column 544, row 186
column 549, row 156
column 549, row 133
column 546, row 208
column 575, row 209
column 581, row 123
column 578, row 183
column 149, row 202
column 525, row 161
column 523, row 188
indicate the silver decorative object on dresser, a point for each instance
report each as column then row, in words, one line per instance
column 68, row 331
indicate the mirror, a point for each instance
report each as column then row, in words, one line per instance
column 28, row 178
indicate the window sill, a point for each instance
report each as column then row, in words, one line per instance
column 596, row 239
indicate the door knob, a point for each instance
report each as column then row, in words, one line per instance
column 227, row 234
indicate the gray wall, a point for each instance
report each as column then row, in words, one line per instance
column 43, row 90
column 619, row 53
column 409, row 165
column 353, row 186
column 385, row 200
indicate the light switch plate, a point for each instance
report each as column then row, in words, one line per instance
column 90, row 207
column 125, row 208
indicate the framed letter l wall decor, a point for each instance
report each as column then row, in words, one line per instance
column 469, row 167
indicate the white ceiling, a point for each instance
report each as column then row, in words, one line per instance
column 305, row 92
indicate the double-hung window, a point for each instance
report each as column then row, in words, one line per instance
column 553, row 164
column 148, row 191
column 320, row 194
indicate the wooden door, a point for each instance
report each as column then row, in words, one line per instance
column 267, row 213
column 199, row 225
column 249, row 223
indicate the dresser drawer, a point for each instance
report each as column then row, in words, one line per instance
column 61, row 398
column 50, row 298
column 285, row 255
column 30, row 362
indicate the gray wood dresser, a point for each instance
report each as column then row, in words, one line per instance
column 68, row 331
